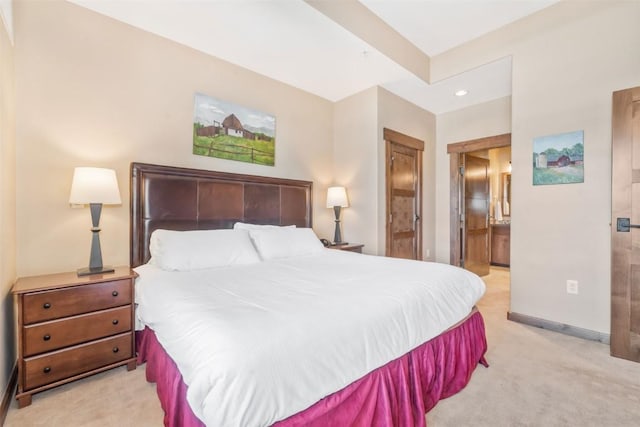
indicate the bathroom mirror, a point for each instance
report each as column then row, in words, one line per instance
column 506, row 194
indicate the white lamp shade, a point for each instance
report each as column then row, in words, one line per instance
column 337, row 196
column 94, row 185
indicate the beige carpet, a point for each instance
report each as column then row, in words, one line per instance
column 540, row 378
column 536, row 378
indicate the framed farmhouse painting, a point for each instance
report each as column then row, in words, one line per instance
column 229, row 131
column 558, row 159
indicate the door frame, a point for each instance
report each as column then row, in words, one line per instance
column 455, row 150
column 393, row 137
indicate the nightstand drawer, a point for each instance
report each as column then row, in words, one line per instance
column 48, row 305
column 56, row 334
column 51, row 367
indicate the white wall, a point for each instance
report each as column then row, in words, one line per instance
column 478, row 121
column 97, row 92
column 6, row 16
column 7, row 206
column 355, row 156
column 567, row 61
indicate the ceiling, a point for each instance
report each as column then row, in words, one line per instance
column 295, row 43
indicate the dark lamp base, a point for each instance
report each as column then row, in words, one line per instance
column 98, row 270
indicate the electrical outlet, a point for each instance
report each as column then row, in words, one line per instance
column 428, row 253
column 572, row 287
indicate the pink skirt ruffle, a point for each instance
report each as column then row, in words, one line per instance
column 398, row 394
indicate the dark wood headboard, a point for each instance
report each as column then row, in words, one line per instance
column 190, row 199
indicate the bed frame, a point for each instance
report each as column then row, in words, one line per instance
column 190, row 199
column 396, row 394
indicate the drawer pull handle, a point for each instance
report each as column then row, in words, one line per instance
column 46, row 337
column 114, row 293
column 116, row 349
column 115, row 321
column 46, row 370
column 46, row 306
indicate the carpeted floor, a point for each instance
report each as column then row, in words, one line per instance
column 540, row 378
column 536, row 378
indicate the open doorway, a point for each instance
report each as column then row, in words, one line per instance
column 480, row 213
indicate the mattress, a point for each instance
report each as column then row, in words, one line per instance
column 256, row 344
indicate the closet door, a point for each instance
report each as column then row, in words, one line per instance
column 625, row 215
column 404, row 195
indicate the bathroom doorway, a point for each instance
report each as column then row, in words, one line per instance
column 480, row 209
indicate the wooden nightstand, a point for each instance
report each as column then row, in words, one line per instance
column 351, row 247
column 70, row 327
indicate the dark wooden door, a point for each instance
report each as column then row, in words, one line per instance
column 625, row 244
column 404, row 205
column 457, row 152
column 476, row 218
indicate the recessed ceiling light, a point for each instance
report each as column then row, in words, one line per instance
column 461, row 92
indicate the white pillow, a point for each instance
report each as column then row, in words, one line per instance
column 247, row 226
column 284, row 242
column 199, row 249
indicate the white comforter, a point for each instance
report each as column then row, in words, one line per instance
column 256, row 344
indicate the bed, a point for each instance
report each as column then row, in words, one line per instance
column 331, row 355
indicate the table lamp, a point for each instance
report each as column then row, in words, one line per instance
column 95, row 187
column 337, row 199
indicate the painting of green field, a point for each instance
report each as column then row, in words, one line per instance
column 235, row 148
column 233, row 132
column 558, row 159
column 561, row 175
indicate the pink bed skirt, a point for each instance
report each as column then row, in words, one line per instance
column 399, row 393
